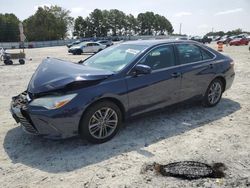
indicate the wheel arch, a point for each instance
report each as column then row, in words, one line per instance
column 223, row 80
column 111, row 99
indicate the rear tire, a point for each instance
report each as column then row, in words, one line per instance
column 213, row 94
column 8, row 62
column 100, row 122
column 78, row 52
column 21, row 61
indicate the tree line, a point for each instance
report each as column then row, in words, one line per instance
column 9, row 30
column 101, row 23
column 229, row 33
column 48, row 23
column 54, row 23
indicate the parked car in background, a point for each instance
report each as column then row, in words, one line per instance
column 181, row 38
column 206, row 39
column 106, row 42
column 225, row 39
column 92, row 99
column 73, row 43
column 239, row 41
column 116, row 38
column 248, row 38
column 216, row 38
column 86, row 47
column 203, row 40
column 196, row 38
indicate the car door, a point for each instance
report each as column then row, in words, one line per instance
column 197, row 69
column 95, row 47
column 159, row 88
column 88, row 48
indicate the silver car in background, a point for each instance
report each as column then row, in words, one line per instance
column 106, row 42
column 86, row 47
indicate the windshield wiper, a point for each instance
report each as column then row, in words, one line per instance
column 82, row 61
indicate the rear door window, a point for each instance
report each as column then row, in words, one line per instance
column 206, row 55
column 188, row 53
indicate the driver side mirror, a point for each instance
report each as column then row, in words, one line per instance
column 141, row 69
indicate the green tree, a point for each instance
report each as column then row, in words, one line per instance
column 162, row 25
column 48, row 23
column 9, row 30
column 235, row 32
column 131, row 24
column 150, row 23
column 116, row 21
column 80, row 27
column 64, row 20
column 99, row 26
column 146, row 23
column 101, row 22
column 218, row 33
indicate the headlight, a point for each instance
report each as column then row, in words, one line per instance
column 53, row 102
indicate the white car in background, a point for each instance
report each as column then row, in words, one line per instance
column 86, row 47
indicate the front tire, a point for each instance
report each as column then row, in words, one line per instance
column 101, row 122
column 21, row 61
column 213, row 94
column 78, row 52
column 8, row 62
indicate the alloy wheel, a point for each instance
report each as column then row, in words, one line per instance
column 214, row 93
column 103, row 123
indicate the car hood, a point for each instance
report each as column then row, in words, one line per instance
column 75, row 46
column 224, row 39
column 54, row 74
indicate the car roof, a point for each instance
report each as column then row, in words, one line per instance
column 88, row 42
column 159, row 41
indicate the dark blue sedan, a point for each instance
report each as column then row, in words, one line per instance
column 92, row 98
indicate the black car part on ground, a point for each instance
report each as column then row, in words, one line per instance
column 189, row 170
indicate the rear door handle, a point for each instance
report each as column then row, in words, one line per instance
column 176, row 74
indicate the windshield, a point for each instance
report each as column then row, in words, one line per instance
column 80, row 44
column 115, row 58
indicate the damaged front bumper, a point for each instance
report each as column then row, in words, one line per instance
column 56, row 124
column 18, row 110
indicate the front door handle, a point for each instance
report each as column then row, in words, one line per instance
column 176, row 74
column 211, row 66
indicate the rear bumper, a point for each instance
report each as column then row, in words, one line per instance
column 53, row 125
column 229, row 80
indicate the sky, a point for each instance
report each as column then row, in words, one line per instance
column 197, row 17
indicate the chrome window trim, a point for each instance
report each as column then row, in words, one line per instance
column 176, row 66
column 201, row 54
column 161, row 45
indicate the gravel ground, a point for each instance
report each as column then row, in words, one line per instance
column 187, row 132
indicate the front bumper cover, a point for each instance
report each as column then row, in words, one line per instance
column 35, row 121
column 18, row 111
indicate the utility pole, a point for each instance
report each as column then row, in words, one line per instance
column 180, row 28
column 212, row 29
